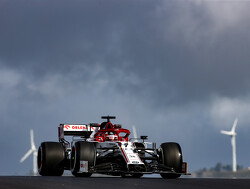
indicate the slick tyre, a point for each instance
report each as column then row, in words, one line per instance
column 82, row 151
column 170, row 155
column 50, row 159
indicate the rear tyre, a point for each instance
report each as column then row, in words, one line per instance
column 82, row 151
column 50, row 159
column 170, row 155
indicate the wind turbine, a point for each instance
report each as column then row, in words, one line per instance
column 233, row 134
column 31, row 150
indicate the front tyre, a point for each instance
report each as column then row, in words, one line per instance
column 170, row 155
column 50, row 159
column 82, row 151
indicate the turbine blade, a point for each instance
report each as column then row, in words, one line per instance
column 234, row 125
column 26, row 155
column 31, row 137
column 134, row 133
column 33, row 147
column 226, row 132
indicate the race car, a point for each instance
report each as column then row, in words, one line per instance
column 106, row 149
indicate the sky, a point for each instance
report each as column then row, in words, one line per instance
column 177, row 70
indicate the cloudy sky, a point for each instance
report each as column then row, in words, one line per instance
column 177, row 70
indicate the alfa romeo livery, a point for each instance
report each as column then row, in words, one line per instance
column 106, row 148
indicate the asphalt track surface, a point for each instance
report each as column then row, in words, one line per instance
column 26, row 182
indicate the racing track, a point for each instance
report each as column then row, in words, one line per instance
column 68, row 182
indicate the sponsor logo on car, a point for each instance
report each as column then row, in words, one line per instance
column 66, row 127
column 75, row 127
column 135, row 162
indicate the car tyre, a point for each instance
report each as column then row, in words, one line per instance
column 170, row 155
column 50, row 159
column 82, row 151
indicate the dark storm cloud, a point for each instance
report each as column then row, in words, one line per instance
column 61, row 35
column 133, row 37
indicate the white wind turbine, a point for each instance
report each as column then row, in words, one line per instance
column 233, row 134
column 31, row 150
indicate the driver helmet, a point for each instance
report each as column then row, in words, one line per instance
column 112, row 137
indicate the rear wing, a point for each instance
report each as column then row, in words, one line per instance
column 83, row 130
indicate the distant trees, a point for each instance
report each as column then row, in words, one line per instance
column 220, row 167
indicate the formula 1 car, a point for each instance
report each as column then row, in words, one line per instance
column 105, row 148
